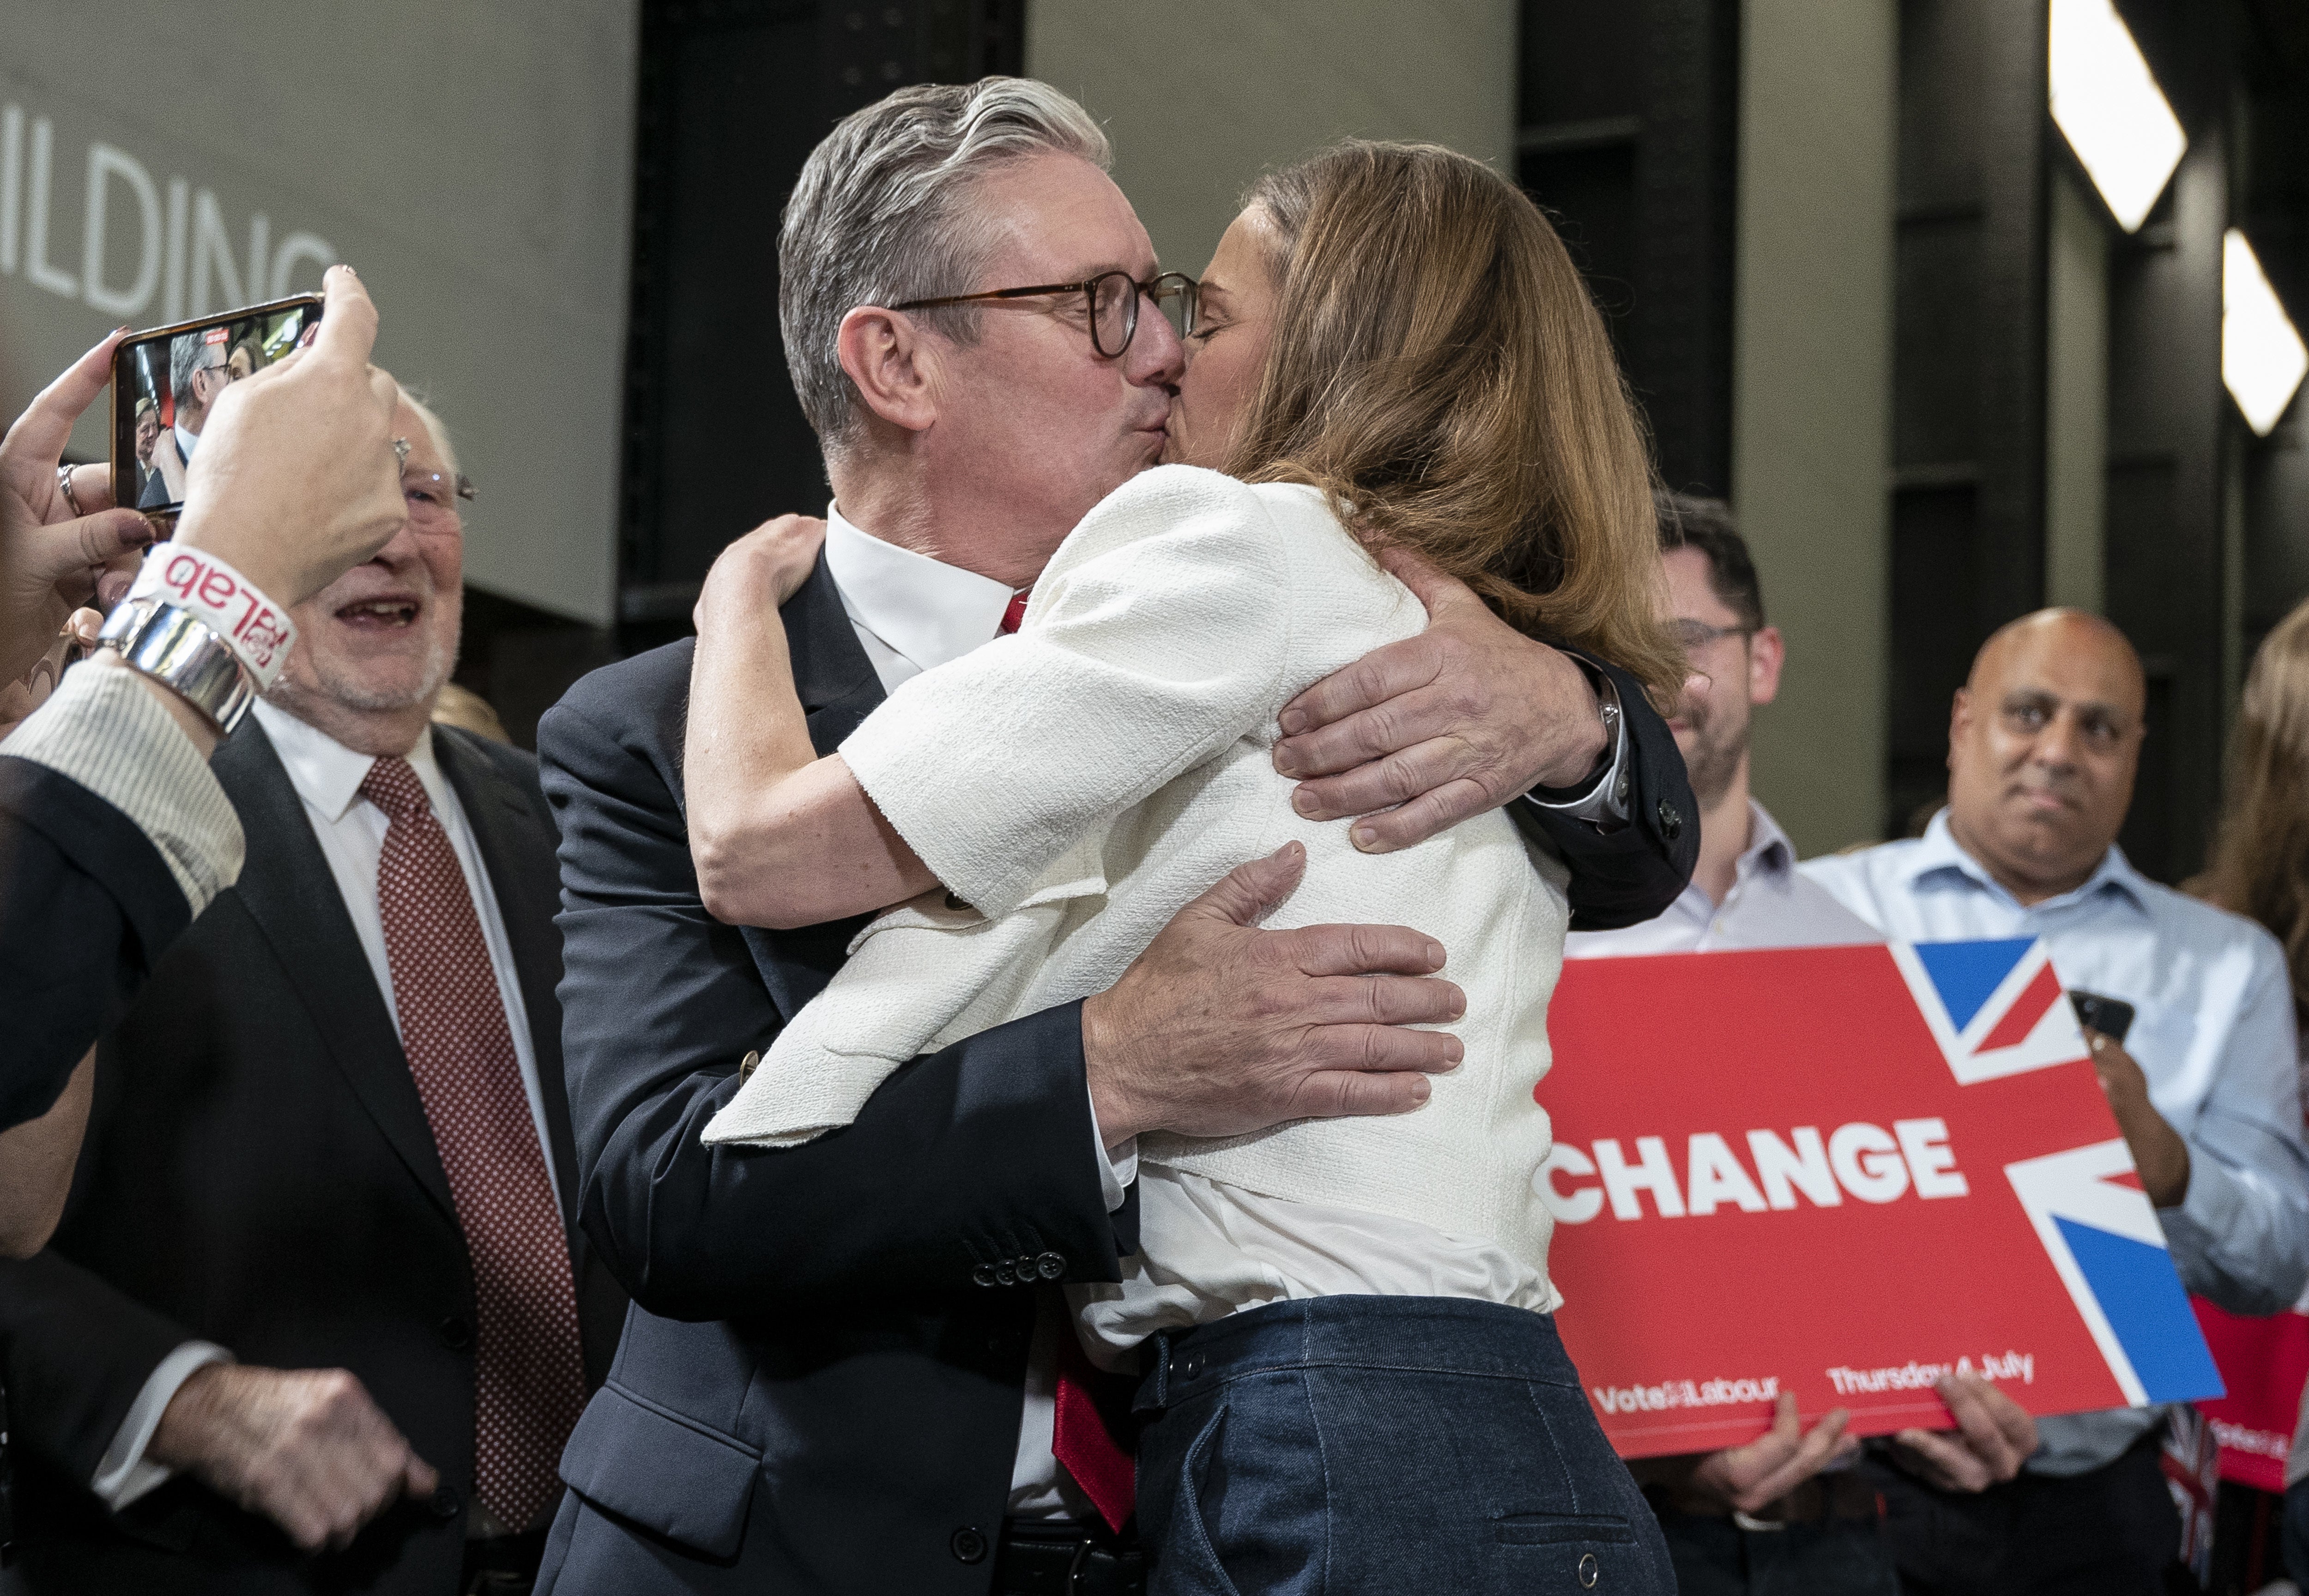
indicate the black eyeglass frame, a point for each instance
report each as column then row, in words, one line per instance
column 1162, row 286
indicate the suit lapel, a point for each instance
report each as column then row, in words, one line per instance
column 515, row 839
column 289, row 891
column 833, row 677
column 838, row 688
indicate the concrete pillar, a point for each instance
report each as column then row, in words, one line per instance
column 2076, row 398
column 1811, row 390
column 1202, row 98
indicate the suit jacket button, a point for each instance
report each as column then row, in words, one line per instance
column 447, row 1503
column 969, row 1545
column 1051, row 1265
column 983, row 1274
column 1670, row 823
column 455, row 1333
column 747, row 1065
column 1005, row 1274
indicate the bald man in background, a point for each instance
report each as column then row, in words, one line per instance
column 2043, row 744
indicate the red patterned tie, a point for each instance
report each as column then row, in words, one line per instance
column 1082, row 1439
column 529, row 1377
column 1016, row 613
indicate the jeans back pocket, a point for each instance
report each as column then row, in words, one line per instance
column 1563, row 1551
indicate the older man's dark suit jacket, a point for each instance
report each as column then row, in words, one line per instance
column 820, row 1383
column 259, row 1173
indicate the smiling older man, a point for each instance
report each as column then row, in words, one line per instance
column 315, row 1319
column 2043, row 744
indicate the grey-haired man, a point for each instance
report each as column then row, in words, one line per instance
column 839, row 1375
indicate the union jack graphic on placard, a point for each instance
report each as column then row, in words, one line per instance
column 1994, row 1007
column 1996, row 1010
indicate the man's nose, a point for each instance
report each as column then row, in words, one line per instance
column 2056, row 747
column 1157, row 355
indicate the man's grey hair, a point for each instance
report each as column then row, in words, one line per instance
column 184, row 352
column 434, row 425
column 881, row 215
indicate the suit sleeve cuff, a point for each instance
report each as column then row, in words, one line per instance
column 1603, row 798
column 125, row 1473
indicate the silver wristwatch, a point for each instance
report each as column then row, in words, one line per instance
column 178, row 650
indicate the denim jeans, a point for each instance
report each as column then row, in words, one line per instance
column 1352, row 1444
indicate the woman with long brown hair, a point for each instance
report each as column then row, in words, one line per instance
column 2260, row 866
column 1355, row 1382
column 2260, row 869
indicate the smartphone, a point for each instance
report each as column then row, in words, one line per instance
column 2111, row 1016
column 164, row 380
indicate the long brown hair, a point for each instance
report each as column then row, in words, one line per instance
column 2260, row 866
column 1437, row 367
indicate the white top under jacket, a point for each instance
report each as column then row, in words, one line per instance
column 1077, row 784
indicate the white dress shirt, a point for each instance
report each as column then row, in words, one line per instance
column 327, row 776
column 2212, row 1030
column 1771, row 905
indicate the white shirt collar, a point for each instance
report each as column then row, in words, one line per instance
column 1769, row 849
column 185, row 442
column 926, row 611
column 1940, row 851
column 325, row 773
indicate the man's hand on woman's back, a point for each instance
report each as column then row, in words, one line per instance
column 1219, row 1028
column 1419, row 735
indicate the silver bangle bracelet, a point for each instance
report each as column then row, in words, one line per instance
column 177, row 649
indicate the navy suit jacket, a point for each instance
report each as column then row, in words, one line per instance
column 820, row 1382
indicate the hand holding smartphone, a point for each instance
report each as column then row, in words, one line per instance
column 164, row 381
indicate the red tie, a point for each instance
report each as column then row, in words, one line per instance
column 1016, row 613
column 529, row 1377
column 1081, row 1438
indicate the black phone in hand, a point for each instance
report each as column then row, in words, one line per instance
column 2111, row 1016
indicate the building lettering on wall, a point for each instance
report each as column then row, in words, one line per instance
column 149, row 252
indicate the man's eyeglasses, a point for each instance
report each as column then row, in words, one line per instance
column 1697, row 637
column 433, row 499
column 1111, row 300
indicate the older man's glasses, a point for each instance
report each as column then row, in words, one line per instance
column 433, row 499
column 1110, row 300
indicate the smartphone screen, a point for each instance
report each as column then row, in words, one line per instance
column 164, row 381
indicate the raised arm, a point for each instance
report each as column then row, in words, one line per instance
column 781, row 837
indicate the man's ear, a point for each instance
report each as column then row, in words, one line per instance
column 1959, row 721
column 1766, row 650
column 890, row 363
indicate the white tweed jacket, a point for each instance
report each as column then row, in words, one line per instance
column 1077, row 783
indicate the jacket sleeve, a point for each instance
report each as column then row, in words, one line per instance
column 78, row 1351
column 963, row 1162
column 1631, row 873
column 87, row 904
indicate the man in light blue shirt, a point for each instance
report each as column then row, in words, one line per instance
column 2044, row 742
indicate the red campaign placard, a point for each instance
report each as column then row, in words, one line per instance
column 1837, row 1172
column 2264, row 1363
